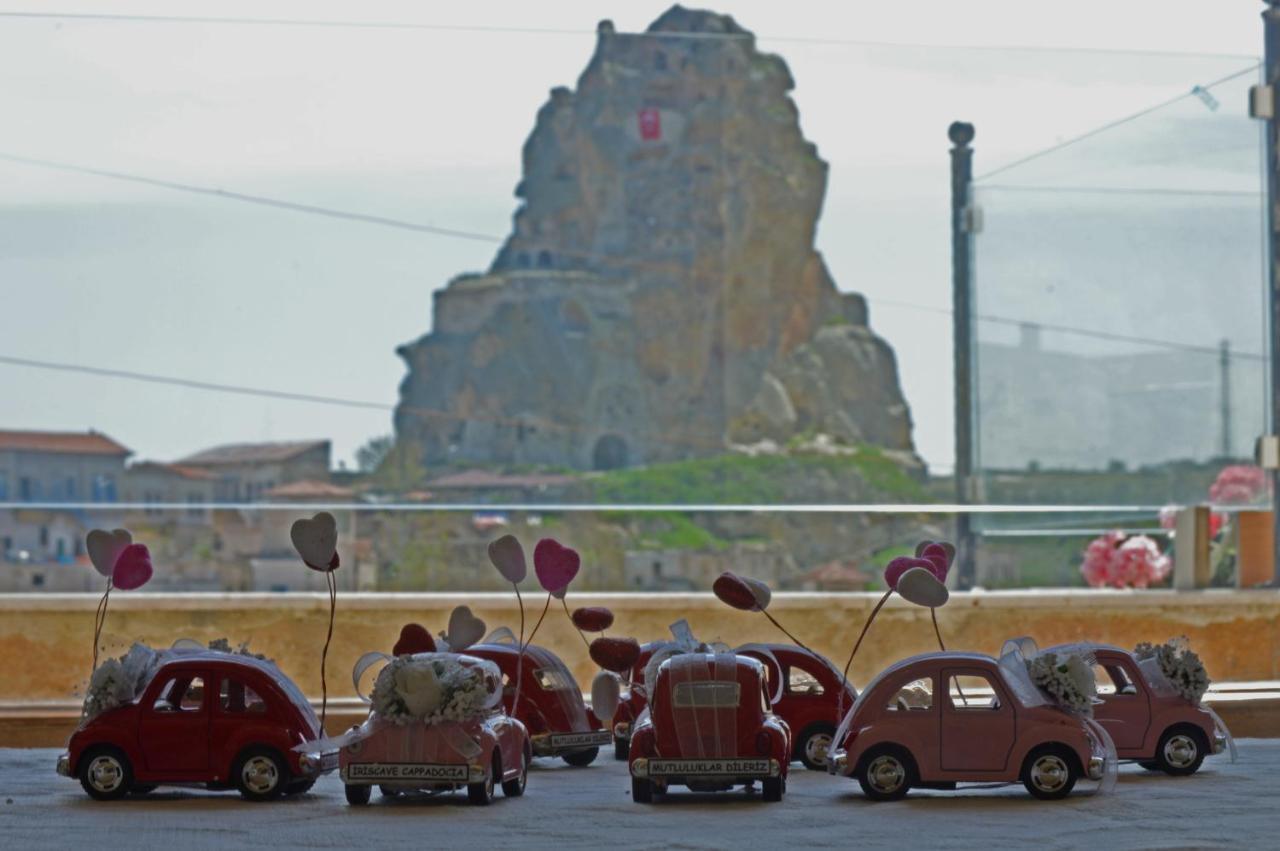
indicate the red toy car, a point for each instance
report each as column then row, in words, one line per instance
column 709, row 727
column 633, row 701
column 221, row 720
column 551, row 704
column 1147, row 719
column 809, row 698
column 419, row 737
column 944, row 718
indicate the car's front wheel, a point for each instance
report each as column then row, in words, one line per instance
column 886, row 774
column 260, row 774
column 106, row 774
column 581, row 759
column 359, row 795
column 1181, row 751
column 1050, row 773
column 773, row 787
column 813, row 744
column 641, row 790
column 621, row 748
column 481, row 794
column 514, row 788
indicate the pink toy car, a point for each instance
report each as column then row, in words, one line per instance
column 398, row 750
column 945, row 718
column 1146, row 717
column 709, row 728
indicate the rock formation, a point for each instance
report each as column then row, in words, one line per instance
column 659, row 296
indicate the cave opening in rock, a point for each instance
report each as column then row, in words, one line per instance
column 610, row 453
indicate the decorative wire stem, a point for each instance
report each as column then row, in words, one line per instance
column 933, row 613
column 515, row 698
column 525, row 646
column 324, row 654
column 797, row 641
column 844, row 676
column 565, row 602
column 100, row 621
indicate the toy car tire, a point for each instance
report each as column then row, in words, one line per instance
column 260, row 774
column 481, row 794
column 515, row 788
column 1180, row 751
column 388, row 791
column 300, row 787
column 105, row 773
column 581, row 759
column 886, row 773
column 1050, row 773
column 810, row 743
column 772, row 790
column 142, row 789
column 1150, row 765
column 641, row 790
column 621, row 748
column 358, row 796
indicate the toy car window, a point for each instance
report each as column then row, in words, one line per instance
column 915, row 696
column 800, row 681
column 706, row 695
column 972, row 691
column 235, row 696
column 1112, row 680
column 193, row 696
column 181, row 694
column 553, row 680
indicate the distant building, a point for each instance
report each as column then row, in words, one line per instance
column 247, row 471
column 276, row 566
column 152, row 482
column 833, row 576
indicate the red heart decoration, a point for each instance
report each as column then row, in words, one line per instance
column 414, row 638
column 900, row 565
column 730, row 588
column 615, row 654
column 133, row 568
column 592, row 618
column 555, row 565
column 936, row 554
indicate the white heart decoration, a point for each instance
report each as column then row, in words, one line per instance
column 760, row 591
column 605, row 694
column 419, row 688
column 105, row 547
column 465, row 629
column 316, row 540
column 921, row 587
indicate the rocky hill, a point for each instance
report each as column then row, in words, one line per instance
column 659, row 297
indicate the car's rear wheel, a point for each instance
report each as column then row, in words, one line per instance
column 142, row 788
column 886, row 773
column 260, row 774
column 641, row 790
column 1050, row 773
column 358, row 795
column 514, row 788
column 581, row 759
column 106, row 774
column 813, row 744
column 481, row 794
column 1181, row 751
column 773, row 787
column 621, row 748
column 1150, row 765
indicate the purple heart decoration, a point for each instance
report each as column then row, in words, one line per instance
column 133, row 568
column 900, row 565
column 556, row 565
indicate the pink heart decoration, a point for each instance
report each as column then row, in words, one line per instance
column 733, row 590
column 592, row 618
column 918, row 585
column 104, row 548
column 133, row 568
column 900, row 565
column 508, row 556
column 414, row 638
column 615, row 654
column 555, row 565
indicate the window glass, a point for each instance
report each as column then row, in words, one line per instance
column 972, row 691
column 915, row 696
column 236, row 696
column 1112, row 680
column 706, row 695
column 193, row 696
column 800, row 681
column 554, row 680
column 181, row 694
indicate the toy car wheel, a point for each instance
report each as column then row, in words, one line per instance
column 1050, row 773
column 515, row 788
column 142, row 789
column 300, row 787
column 105, row 774
column 773, row 787
column 1150, row 766
column 621, row 748
column 388, row 791
column 260, row 774
column 1181, row 751
column 886, row 774
column 580, row 759
column 641, row 790
column 358, row 796
column 813, row 744
column 481, row 794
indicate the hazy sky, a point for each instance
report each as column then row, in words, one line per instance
column 427, row 126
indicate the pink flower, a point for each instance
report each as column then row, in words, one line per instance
column 1238, row 484
column 1112, row 561
column 1099, row 557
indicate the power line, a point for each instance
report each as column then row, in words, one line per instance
column 319, row 23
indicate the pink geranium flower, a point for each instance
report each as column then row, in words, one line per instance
column 1112, row 561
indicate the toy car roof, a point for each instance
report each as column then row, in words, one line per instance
column 1087, row 647
column 180, row 656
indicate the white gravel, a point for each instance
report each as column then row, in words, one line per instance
column 1223, row 806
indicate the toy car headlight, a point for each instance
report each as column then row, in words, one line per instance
column 64, row 765
column 309, row 763
column 640, row 768
column 475, row 773
column 622, row 729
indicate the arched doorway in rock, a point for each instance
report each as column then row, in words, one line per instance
column 610, row 453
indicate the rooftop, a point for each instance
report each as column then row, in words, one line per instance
column 64, row 442
column 251, row 453
column 194, row 473
column 310, row 489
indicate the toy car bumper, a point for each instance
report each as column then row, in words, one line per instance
column 64, row 764
column 748, row 768
column 1097, row 765
column 546, row 744
column 1219, row 743
column 838, row 762
column 315, row 763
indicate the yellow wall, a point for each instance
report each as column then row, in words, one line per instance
column 45, row 638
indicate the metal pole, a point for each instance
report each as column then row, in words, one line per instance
column 1271, row 62
column 961, row 134
column 1224, row 396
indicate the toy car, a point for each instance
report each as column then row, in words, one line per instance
column 709, row 727
column 1147, row 719
column 551, row 704
column 945, row 718
column 478, row 748
column 632, row 703
column 808, row 699
column 220, row 720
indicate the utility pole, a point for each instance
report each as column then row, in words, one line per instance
column 1224, row 396
column 1263, row 105
column 961, row 134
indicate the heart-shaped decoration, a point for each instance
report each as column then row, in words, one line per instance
column 760, row 591
column 605, row 694
column 900, row 565
column 592, row 618
column 556, row 565
column 414, row 638
column 733, row 590
column 920, row 547
column 508, row 556
column 918, row 585
column 133, row 568
column 105, row 547
column 316, row 540
column 465, row 629
column 937, row 555
column 615, row 654
column 419, row 688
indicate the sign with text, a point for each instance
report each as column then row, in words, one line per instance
column 420, row 771
column 710, row 768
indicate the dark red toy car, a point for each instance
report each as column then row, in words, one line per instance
column 632, row 702
column 808, row 699
column 207, row 718
column 709, row 727
column 551, row 704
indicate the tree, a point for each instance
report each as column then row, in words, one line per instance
column 370, row 456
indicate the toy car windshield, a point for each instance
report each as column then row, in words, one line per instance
column 554, row 680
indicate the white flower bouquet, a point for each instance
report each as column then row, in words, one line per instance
column 1181, row 667
column 1067, row 678
column 434, row 687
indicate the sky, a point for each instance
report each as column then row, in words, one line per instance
column 426, row 126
